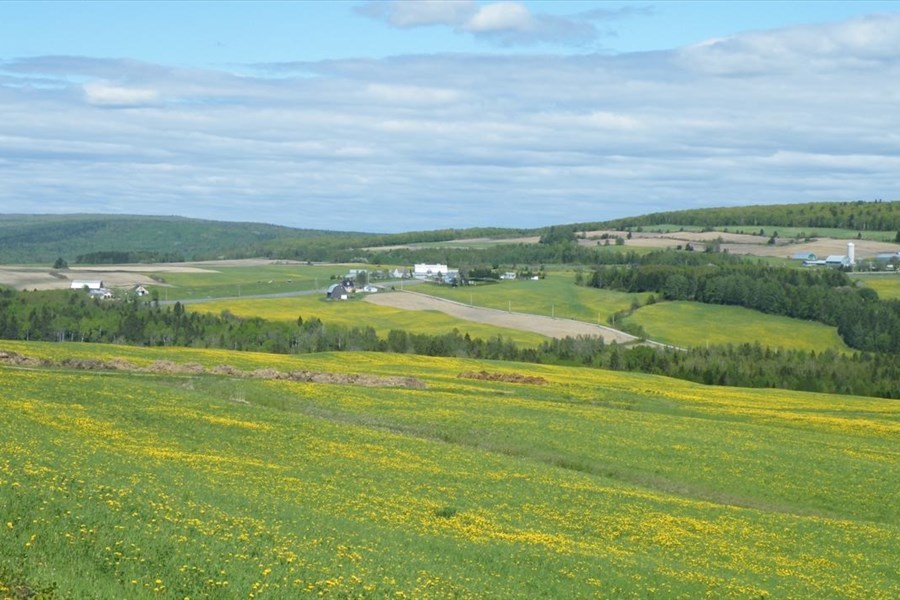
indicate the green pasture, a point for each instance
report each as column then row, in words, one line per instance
column 358, row 313
column 886, row 284
column 592, row 484
column 687, row 324
column 556, row 295
column 227, row 282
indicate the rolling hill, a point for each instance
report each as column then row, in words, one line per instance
column 137, row 472
column 44, row 238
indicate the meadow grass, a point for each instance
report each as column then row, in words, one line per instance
column 228, row 281
column 556, row 295
column 596, row 484
column 688, row 324
column 886, row 284
column 357, row 313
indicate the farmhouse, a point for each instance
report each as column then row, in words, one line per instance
column 78, row 284
column 508, row 275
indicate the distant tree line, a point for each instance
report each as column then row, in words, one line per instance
column 72, row 316
column 113, row 257
column 826, row 295
column 862, row 216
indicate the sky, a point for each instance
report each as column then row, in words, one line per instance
column 387, row 116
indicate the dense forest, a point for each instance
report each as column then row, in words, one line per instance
column 861, row 216
column 826, row 295
column 73, row 316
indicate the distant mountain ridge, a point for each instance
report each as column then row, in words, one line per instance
column 93, row 239
column 44, row 238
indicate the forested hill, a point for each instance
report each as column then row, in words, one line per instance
column 119, row 239
column 862, row 216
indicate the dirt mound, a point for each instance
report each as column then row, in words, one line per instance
column 13, row 358
column 173, row 368
column 505, row 377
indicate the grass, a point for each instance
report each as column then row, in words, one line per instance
column 886, row 284
column 688, row 324
column 226, row 282
column 556, row 295
column 595, row 484
column 357, row 313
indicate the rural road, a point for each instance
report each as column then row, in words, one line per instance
column 549, row 326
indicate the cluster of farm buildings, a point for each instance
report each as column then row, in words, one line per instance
column 846, row 261
column 97, row 289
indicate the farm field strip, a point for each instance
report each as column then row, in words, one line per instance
column 556, row 295
column 360, row 314
column 597, row 483
column 540, row 324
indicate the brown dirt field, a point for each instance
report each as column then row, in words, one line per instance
column 556, row 328
column 739, row 243
column 22, row 278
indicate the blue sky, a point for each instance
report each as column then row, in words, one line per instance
column 391, row 116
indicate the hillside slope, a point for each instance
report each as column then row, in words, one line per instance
column 134, row 472
column 44, row 238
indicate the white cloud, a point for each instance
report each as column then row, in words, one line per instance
column 102, row 93
column 420, row 13
column 507, row 23
column 501, row 16
column 422, row 142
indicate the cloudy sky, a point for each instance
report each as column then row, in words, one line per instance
column 391, row 116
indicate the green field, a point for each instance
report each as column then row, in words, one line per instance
column 556, row 295
column 596, row 484
column 357, row 313
column 887, row 285
column 687, row 324
column 227, row 282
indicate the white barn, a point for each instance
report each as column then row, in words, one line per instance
column 91, row 285
column 427, row 271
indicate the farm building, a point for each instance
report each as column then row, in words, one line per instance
column 336, row 291
column 838, row 260
column 140, row 290
column 508, row 275
column 803, row 256
column 429, row 271
column 91, row 285
column 885, row 257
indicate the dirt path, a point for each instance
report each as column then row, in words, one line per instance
column 556, row 328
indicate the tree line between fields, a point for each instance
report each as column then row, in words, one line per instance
column 71, row 316
column 828, row 296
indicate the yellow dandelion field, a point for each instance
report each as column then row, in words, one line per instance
column 191, row 484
